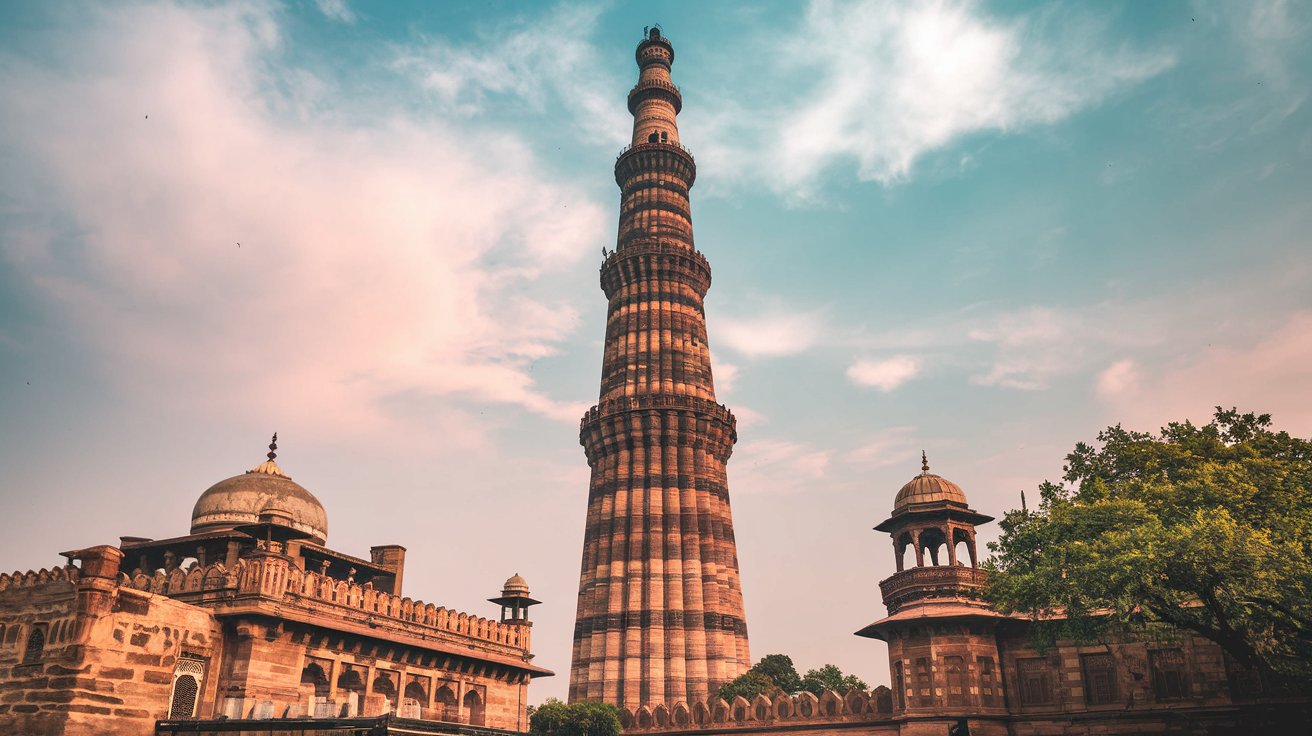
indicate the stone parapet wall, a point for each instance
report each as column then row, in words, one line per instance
column 281, row 581
column 107, row 658
column 830, row 708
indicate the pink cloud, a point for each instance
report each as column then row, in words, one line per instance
column 1268, row 374
column 233, row 256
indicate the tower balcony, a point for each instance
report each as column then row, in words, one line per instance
column 652, row 87
column 667, row 157
column 947, row 582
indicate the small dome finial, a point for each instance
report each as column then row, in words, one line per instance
column 924, row 462
column 273, row 447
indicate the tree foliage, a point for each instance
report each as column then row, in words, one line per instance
column 775, row 673
column 1202, row 528
column 554, row 718
column 779, row 668
column 749, row 685
column 830, row 677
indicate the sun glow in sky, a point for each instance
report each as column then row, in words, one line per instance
column 985, row 230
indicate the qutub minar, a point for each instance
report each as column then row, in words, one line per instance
column 660, row 608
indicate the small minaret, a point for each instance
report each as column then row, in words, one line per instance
column 514, row 601
column 660, row 607
column 942, row 641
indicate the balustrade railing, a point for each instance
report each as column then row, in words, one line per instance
column 662, row 145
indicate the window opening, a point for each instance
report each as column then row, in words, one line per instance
column 36, row 645
column 1166, row 668
column 1035, row 678
column 1099, row 678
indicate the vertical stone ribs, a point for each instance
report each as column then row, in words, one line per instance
column 660, row 609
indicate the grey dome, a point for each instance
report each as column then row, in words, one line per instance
column 239, row 500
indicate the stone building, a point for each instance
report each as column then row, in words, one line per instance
column 251, row 617
column 953, row 658
column 660, row 607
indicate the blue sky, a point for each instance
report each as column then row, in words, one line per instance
column 982, row 229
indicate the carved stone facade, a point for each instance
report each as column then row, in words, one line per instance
column 660, row 608
column 250, row 617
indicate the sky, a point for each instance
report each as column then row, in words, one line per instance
column 985, row 230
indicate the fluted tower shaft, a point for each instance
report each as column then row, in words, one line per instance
column 660, row 609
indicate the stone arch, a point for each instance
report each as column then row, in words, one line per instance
column 808, row 705
column 195, row 579
column 626, row 718
column 783, row 707
column 660, row 715
column 831, row 704
column 351, row 680
column 475, row 708
column 701, row 713
column 934, row 542
column 314, row 678
column 719, row 711
column 762, row 708
column 414, row 690
column 445, row 699
column 385, row 685
column 642, row 717
column 681, row 716
column 177, row 581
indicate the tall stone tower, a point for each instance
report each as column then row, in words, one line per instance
column 660, row 612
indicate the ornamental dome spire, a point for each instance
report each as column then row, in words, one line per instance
column 241, row 499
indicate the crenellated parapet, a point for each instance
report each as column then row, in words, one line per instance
column 802, row 709
column 38, row 578
column 272, row 577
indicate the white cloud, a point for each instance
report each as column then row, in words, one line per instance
column 1032, row 346
column 892, row 446
column 1119, row 377
column 883, row 83
column 748, row 417
column 773, row 334
column 884, row 375
column 726, row 375
column 777, row 466
column 376, row 264
column 541, row 61
column 336, row 10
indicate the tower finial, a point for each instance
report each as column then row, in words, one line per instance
column 924, row 462
column 273, row 447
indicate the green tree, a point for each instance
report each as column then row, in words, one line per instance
column 1207, row 529
column 554, row 718
column 779, row 668
column 830, row 677
column 749, row 685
